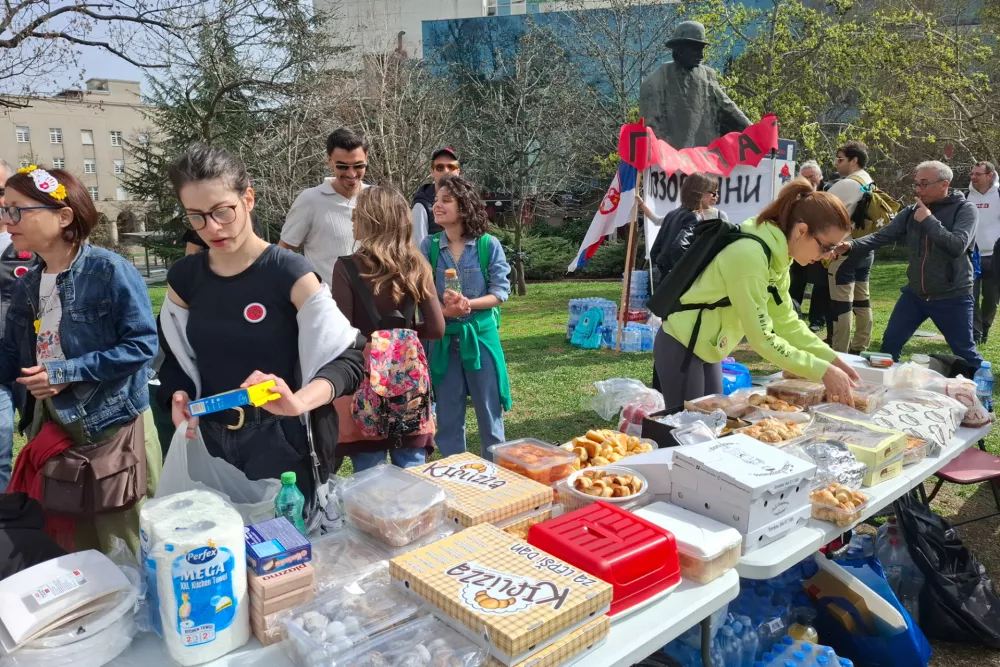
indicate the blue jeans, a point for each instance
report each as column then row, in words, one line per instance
column 6, row 435
column 952, row 316
column 401, row 458
column 483, row 386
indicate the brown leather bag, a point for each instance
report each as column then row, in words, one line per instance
column 106, row 477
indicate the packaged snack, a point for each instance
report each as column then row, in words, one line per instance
column 392, row 506
column 838, row 503
column 872, row 445
column 603, row 447
column 483, row 577
column 617, row 485
column 869, row 397
column 481, row 491
column 705, row 547
column 771, row 403
column 773, row 431
column 916, row 450
column 921, row 414
column 733, row 405
column 534, row 459
column 567, row 650
column 885, row 472
column 275, row 545
column 797, row 392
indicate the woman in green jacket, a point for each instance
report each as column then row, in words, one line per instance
column 801, row 225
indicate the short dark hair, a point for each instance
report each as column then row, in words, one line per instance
column 78, row 199
column 202, row 162
column 470, row 204
column 346, row 139
column 855, row 150
column 987, row 165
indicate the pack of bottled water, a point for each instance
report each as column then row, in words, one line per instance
column 577, row 307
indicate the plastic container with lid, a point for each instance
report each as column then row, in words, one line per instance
column 916, row 450
column 572, row 498
column 637, row 557
column 534, row 459
column 734, row 405
column 706, row 548
column 921, row 360
column 328, row 628
column 392, row 505
column 344, row 557
column 869, row 397
column 828, row 505
column 798, row 392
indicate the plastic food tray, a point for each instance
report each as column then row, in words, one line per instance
column 328, row 628
column 706, row 548
column 749, row 431
column 835, row 514
column 393, row 506
column 797, row 392
column 733, row 406
column 534, row 459
column 572, row 499
column 869, row 397
column 637, row 557
column 344, row 557
column 916, row 453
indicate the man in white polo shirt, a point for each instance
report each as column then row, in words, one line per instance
column 985, row 195
column 319, row 221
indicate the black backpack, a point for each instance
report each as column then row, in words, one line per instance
column 710, row 237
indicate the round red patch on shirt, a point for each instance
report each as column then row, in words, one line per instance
column 20, row 271
column 254, row 313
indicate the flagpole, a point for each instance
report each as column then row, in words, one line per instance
column 629, row 264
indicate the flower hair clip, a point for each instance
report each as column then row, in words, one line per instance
column 45, row 181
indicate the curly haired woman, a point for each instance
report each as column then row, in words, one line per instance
column 468, row 360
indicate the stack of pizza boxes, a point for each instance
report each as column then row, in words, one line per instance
column 275, row 592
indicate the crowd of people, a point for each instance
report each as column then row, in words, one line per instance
column 78, row 336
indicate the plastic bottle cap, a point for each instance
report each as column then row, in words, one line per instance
column 288, row 478
column 806, row 647
column 799, row 655
column 727, row 631
column 789, row 663
column 738, row 627
column 787, row 641
column 821, row 661
column 986, row 364
column 450, row 273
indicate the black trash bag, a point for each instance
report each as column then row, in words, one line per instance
column 958, row 603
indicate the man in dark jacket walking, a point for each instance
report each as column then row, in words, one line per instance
column 940, row 231
column 443, row 161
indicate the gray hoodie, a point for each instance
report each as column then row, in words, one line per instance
column 940, row 247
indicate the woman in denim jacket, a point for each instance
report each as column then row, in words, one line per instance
column 468, row 360
column 80, row 333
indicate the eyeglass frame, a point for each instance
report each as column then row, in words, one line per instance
column 924, row 185
column 210, row 214
column 824, row 248
column 5, row 212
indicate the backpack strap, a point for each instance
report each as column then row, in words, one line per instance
column 364, row 294
column 435, row 252
column 483, row 250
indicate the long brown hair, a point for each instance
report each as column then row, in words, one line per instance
column 384, row 230
column 695, row 187
column 85, row 215
column 798, row 202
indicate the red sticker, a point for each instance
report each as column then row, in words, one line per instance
column 254, row 313
column 20, row 271
column 24, row 255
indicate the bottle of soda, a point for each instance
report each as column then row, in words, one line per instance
column 984, row 385
column 451, row 281
column 290, row 502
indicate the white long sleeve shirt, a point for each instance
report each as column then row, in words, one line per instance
column 988, row 208
column 848, row 190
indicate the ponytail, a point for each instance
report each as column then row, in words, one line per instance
column 799, row 202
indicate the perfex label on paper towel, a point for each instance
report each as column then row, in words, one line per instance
column 203, row 585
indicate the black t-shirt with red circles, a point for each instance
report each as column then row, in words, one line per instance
column 241, row 323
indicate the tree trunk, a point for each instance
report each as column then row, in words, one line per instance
column 518, row 263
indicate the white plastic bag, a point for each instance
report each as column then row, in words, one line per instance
column 617, row 393
column 922, row 414
column 190, row 467
column 963, row 390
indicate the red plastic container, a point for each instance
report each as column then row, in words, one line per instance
column 635, row 556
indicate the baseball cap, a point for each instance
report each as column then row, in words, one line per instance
column 445, row 151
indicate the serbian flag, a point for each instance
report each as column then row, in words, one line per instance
column 615, row 210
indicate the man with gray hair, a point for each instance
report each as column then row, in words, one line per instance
column 940, row 232
column 984, row 194
column 812, row 172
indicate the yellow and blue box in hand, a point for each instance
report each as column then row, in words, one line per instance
column 255, row 395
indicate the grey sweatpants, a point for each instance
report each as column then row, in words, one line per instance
column 700, row 380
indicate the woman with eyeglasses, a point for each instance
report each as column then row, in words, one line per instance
column 246, row 312
column 800, row 225
column 79, row 337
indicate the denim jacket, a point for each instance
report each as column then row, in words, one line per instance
column 108, row 335
column 470, row 272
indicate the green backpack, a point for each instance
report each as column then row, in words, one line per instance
column 875, row 210
column 482, row 249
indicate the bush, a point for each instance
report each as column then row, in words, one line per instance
column 547, row 257
column 607, row 262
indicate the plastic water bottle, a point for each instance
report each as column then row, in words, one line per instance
column 451, row 280
column 880, row 534
column 891, row 556
column 732, row 650
column 290, row 502
column 749, row 639
column 844, row 662
column 804, row 633
column 909, row 594
column 984, row 385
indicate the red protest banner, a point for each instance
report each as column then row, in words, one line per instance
column 639, row 147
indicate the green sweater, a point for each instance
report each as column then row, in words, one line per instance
column 482, row 328
column 774, row 331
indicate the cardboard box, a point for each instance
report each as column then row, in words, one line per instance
column 275, row 545
column 484, row 578
column 872, row 445
column 289, row 600
column 267, row 630
column 568, row 650
column 776, row 530
column 276, row 584
column 483, row 492
column 741, row 482
column 879, row 376
column 885, row 472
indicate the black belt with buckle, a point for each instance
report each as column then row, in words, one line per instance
column 236, row 418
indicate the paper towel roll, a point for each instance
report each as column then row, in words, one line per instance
column 195, row 560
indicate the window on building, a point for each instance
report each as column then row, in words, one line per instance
column 87, row 137
column 59, row 163
column 89, row 165
column 122, row 194
column 94, row 193
column 119, row 166
column 23, row 135
column 116, row 138
column 55, row 135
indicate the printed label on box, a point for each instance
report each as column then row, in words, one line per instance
column 59, row 587
column 481, row 474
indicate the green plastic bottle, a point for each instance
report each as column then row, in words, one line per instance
column 290, row 502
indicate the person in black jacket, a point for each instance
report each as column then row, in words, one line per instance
column 677, row 226
column 23, row 540
column 443, row 161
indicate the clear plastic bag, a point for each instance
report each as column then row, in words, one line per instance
column 190, row 467
column 962, row 390
column 615, row 394
column 716, row 421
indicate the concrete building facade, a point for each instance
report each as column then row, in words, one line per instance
column 85, row 132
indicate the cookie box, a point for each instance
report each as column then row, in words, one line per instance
column 885, row 472
column 802, row 393
column 627, row 488
column 534, row 459
column 275, row 545
column 872, row 445
column 567, row 651
column 484, row 580
column 392, row 506
column 481, row 491
column 741, row 482
column 656, row 467
column 706, row 549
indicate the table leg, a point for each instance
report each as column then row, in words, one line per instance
column 706, row 642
